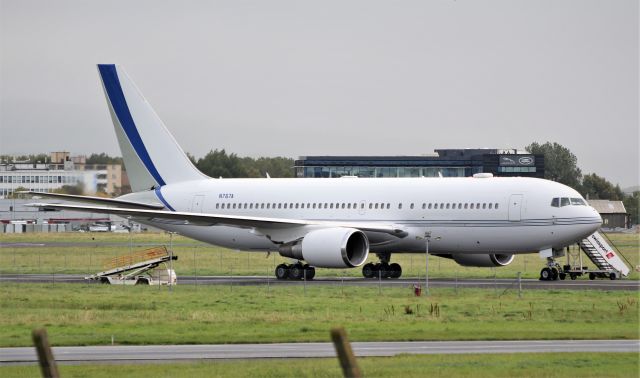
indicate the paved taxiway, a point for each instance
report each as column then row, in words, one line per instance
column 157, row 353
column 502, row 284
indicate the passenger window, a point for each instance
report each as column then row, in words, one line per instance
column 484, row 205
column 448, row 205
column 331, row 205
column 459, row 206
column 564, row 202
column 411, row 206
column 388, row 206
column 496, row 206
column 343, row 205
column 217, row 205
column 466, row 206
column 370, row 206
column 490, row 206
column 477, row 206
column 362, row 205
column 376, row 206
column 471, row 206
column 399, row 206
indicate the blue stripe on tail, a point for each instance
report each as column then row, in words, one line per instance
column 119, row 103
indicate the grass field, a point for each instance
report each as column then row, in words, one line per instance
column 91, row 314
column 477, row 365
column 201, row 259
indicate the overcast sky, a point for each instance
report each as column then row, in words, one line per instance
column 291, row 78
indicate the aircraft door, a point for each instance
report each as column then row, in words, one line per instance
column 515, row 207
column 196, row 204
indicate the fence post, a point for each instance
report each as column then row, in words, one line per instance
column 345, row 354
column 48, row 365
column 519, row 285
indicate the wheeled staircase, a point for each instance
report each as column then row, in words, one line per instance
column 603, row 255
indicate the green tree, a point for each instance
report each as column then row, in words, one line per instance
column 596, row 187
column 77, row 189
column 632, row 204
column 103, row 158
column 218, row 163
column 561, row 165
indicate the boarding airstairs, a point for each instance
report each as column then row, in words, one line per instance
column 609, row 262
column 133, row 267
column 598, row 250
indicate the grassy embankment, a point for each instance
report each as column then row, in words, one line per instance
column 201, row 259
column 477, row 365
column 91, row 314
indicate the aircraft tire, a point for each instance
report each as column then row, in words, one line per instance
column 296, row 272
column 369, row 270
column 545, row 274
column 385, row 272
column 396, row 270
column 282, row 272
column 310, row 272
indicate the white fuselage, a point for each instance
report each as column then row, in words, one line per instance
column 461, row 215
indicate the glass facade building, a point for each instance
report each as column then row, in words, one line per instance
column 447, row 162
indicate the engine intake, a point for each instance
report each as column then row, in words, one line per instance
column 336, row 247
column 484, row 260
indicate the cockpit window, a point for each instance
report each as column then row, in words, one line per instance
column 564, row 201
column 578, row 201
column 555, row 202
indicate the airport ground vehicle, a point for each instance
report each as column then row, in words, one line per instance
column 147, row 267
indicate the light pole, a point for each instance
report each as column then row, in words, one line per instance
column 171, row 260
column 427, row 236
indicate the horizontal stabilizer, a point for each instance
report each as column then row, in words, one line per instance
column 97, row 200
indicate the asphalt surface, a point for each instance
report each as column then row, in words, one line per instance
column 502, row 284
column 164, row 353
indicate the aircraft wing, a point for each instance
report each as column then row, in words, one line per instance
column 187, row 218
column 97, row 200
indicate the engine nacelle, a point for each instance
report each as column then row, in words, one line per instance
column 485, row 261
column 338, row 247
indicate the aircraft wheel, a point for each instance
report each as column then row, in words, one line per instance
column 612, row 276
column 396, row 270
column 545, row 274
column 573, row 277
column 554, row 274
column 385, row 272
column 562, row 276
column 296, row 272
column 142, row 281
column 592, row 276
column 309, row 272
column 369, row 270
column 282, row 272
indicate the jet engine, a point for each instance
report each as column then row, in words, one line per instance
column 337, row 247
column 488, row 260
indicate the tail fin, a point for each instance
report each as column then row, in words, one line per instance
column 151, row 155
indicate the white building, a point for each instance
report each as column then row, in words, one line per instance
column 47, row 177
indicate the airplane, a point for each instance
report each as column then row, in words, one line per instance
column 481, row 221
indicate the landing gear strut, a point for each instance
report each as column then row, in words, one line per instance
column 296, row 271
column 552, row 271
column 382, row 269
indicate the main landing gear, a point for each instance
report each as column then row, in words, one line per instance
column 296, row 271
column 382, row 269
